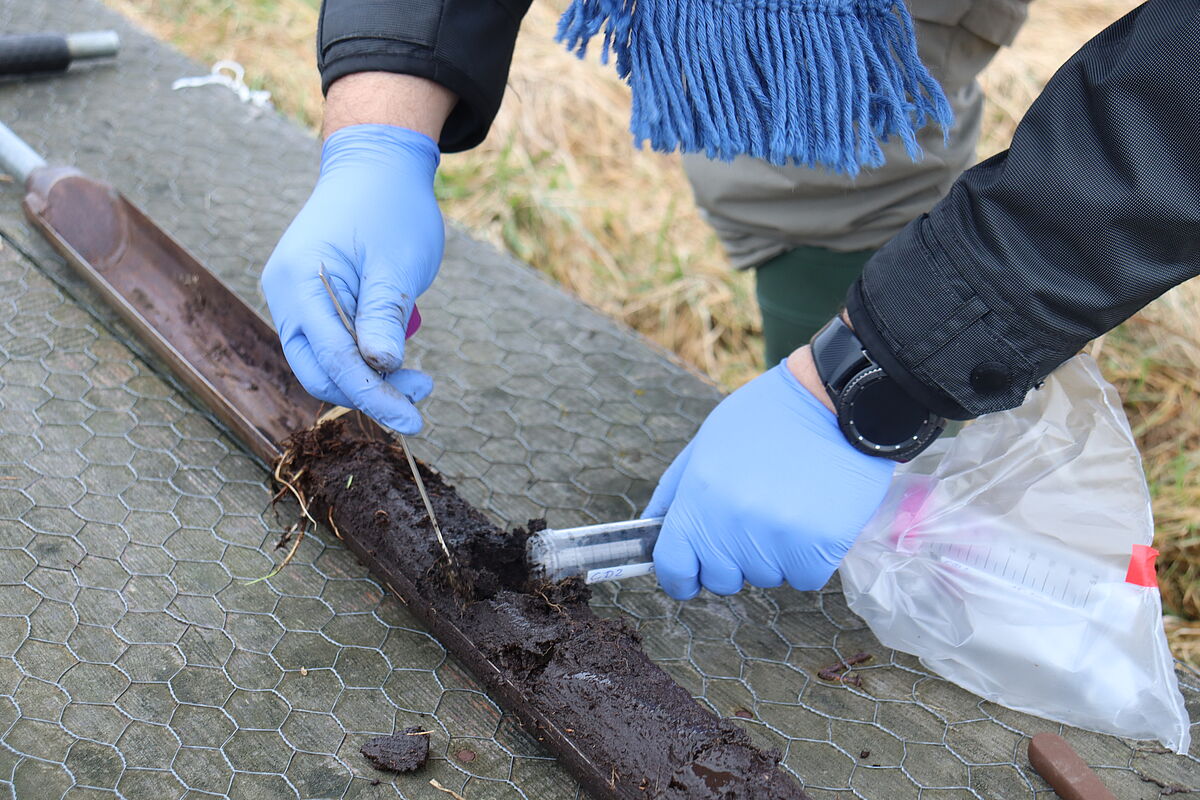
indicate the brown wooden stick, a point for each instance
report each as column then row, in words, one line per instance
column 1068, row 775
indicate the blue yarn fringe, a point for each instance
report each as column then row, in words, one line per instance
column 812, row 82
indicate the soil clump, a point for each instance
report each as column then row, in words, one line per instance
column 405, row 751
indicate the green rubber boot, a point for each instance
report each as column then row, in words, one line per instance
column 799, row 291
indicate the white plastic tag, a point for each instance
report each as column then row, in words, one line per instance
column 618, row 573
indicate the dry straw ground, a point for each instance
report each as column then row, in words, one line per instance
column 558, row 184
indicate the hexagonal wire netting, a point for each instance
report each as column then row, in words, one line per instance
column 137, row 657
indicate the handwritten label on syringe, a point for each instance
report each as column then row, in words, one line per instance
column 617, row 573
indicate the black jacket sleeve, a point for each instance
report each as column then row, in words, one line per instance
column 1092, row 213
column 464, row 45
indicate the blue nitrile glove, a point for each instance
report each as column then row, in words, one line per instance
column 373, row 222
column 767, row 491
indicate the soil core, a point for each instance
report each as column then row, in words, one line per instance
column 579, row 684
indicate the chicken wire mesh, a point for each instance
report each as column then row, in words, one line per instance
column 138, row 660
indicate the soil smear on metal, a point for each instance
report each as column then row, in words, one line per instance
column 401, row 752
column 579, row 684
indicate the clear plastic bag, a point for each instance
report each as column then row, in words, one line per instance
column 1014, row 560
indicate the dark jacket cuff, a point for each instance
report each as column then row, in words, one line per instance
column 948, row 341
column 472, row 115
column 464, row 45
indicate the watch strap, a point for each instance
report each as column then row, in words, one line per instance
column 838, row 355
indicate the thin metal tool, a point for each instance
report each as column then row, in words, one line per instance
column 412, row 463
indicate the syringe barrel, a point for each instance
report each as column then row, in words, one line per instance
column 597, row 552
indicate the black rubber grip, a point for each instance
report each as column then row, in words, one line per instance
column 33, row 53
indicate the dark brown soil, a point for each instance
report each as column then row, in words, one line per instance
column 579, row 684
column 401, row 752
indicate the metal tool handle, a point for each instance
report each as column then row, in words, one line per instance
column 51, row 52
column 17, row 158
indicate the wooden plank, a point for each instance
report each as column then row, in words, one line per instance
column 580, row 684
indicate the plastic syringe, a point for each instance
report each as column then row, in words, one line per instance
column 606, row 552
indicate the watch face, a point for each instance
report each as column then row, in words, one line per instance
column 875, row 415
column 884, row 415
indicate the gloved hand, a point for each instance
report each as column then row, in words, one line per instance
column 767, row 491
column 374, row 224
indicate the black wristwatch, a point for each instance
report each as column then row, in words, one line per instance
column 876, row 416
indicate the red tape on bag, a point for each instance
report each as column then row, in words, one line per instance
column 1141, row 566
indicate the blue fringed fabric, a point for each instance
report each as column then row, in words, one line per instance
column 813, row 82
